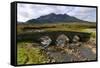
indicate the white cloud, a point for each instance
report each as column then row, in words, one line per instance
column 30, row 11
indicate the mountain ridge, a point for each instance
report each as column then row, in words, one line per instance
column 54, row 18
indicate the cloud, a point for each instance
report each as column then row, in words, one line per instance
column 84, row 13
column 32, row 11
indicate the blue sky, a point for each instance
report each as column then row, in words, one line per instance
column 31, row 11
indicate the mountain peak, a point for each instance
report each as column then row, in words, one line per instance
column 52, row 14
column 54, row 18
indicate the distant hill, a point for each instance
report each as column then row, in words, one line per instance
column 55, row 18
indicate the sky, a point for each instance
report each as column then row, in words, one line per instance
column 26, row 12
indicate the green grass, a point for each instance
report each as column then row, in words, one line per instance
column 92, row 31
column 78, row 27
column 93, row 34
column 22, row 56
column 27, row 54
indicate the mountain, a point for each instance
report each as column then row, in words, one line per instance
column 54, row 18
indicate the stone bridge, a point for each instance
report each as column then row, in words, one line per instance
column 34, row 37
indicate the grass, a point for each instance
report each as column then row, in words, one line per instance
column 27, row 54
column 22, row 56
column 78, row 27
column 93, row 34
column 92, row 31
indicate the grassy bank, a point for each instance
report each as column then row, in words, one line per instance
column 28, row 53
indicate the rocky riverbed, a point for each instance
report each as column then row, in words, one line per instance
column 85, row 52
column 64, row 51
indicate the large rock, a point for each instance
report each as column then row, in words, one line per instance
column 76, row 38
column 62, row 40
column 45, row 41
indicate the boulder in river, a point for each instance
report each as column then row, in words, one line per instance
column 62, row 40
column 76, row 38
column 45, row 41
